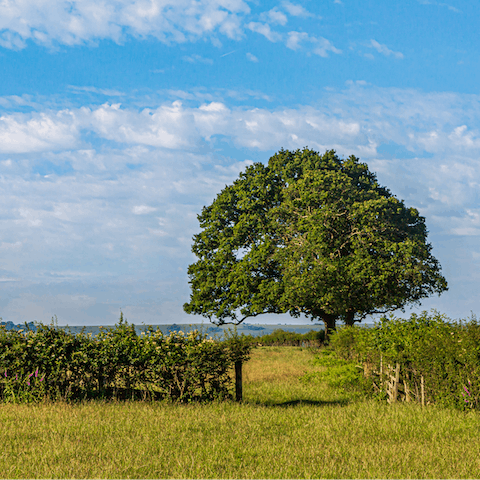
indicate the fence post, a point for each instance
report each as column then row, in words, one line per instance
column 395, row 385
column 238, row 381
column 422, row 387
column 407, row 392
column 381, row 373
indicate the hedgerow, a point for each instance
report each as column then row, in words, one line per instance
column 117, row 363
column 445, row 353
column 284, row 337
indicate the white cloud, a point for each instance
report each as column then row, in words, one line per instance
column 15, row 101
column 453, row 137
column 468, row 224
column 440, row 4
column 175, row 126
column 73, row 22
column 295, row 38
column 274, row 16
column 197, row 59
column 449, row 123
column 143, row 209
column 101, row 91
column 22, row 133
column 296, row 10
column 76, row 22
column 265, row 30
column 384, row 50
column 321, row 46
column 168, row 126
column 252, row 57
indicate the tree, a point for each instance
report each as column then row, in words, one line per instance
column 311, row 234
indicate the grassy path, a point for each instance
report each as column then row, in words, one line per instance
column 284, row 429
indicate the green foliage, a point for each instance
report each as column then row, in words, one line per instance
column 120, row 364
column 283, row 337
column 445, row 353
column 338, row 372
column 22, row 387
column 311, row 234
column 239, row 346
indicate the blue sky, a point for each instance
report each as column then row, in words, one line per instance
column 120, row 120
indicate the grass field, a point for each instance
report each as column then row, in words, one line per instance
column 283, row 429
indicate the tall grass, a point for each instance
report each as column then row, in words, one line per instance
column 285, row 428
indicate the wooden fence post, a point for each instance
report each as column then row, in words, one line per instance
column 422, row 387
column 407, row 392
column 238, row 381
column 397, row 379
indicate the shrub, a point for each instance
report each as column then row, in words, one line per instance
column 445, row 353
column 118, row 363
column 22, row 387
column 284, row 337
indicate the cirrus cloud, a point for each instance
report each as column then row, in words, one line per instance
column 384, row 50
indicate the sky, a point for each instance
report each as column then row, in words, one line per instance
column 120, row 120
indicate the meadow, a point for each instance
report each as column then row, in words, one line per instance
column 286, row 427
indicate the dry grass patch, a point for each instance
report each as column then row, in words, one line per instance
column 277, row 364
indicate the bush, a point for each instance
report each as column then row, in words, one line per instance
column 283, row 337
column 445, row 353
column 118, row 363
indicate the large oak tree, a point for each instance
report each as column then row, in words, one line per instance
column 311, row 234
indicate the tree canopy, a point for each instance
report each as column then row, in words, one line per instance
column 313, row 234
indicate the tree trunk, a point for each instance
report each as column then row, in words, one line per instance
column 349, row 319
column 330, row 324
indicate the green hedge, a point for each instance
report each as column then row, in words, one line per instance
column 117, row 363
column 284, row 337
column 445, row 353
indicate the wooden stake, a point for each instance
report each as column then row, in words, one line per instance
column 238, row 381
column 396, row 381
column 422, row 387
column 407, row 394
column 382, row 384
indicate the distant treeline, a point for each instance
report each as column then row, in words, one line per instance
column 286, row 338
